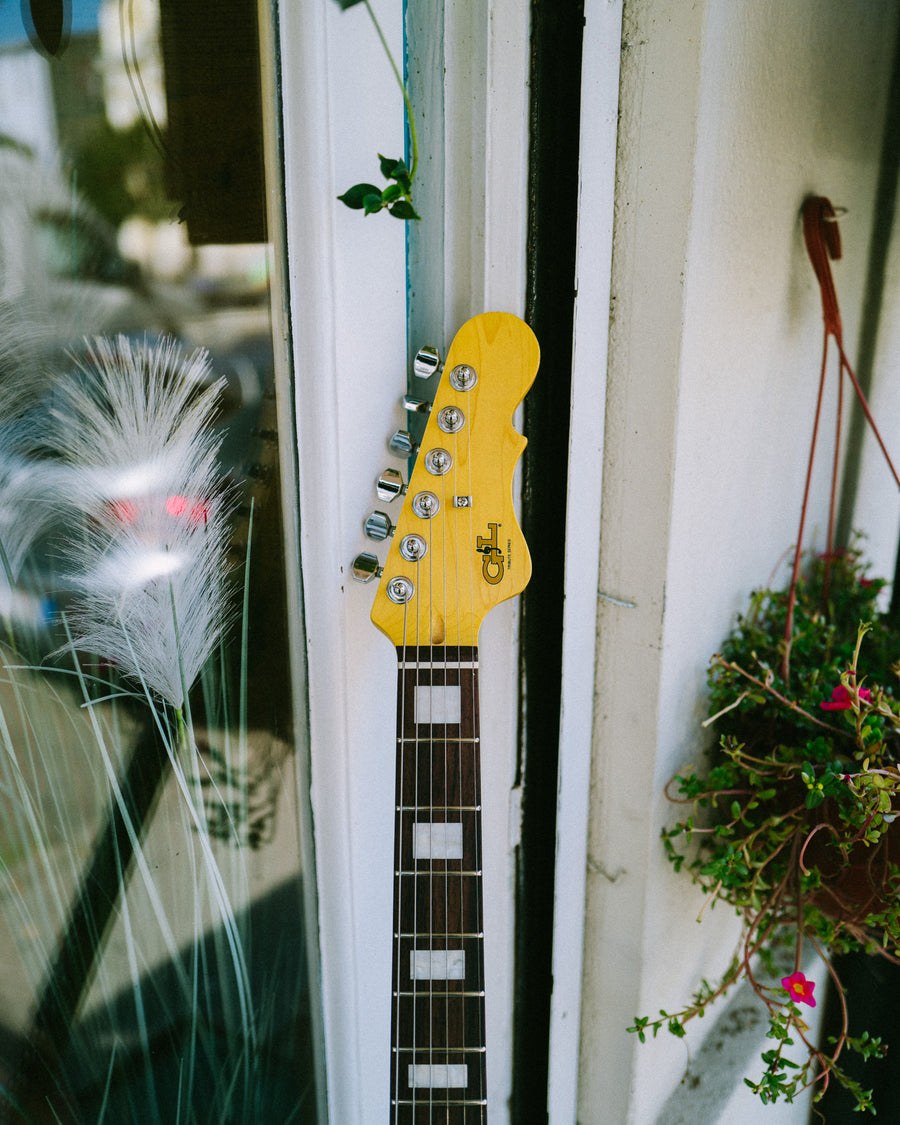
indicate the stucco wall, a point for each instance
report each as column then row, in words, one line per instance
column 730, row 114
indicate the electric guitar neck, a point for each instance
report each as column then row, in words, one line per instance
column 457, row 551
column 437, row 1034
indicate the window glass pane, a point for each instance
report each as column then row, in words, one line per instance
column 153, row 933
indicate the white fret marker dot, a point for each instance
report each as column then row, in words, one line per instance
column 439, row 1075
column 438, row 840
column 437, row 964
column 438, row 703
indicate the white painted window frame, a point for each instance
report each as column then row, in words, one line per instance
column 346, row 307
column 597, row 164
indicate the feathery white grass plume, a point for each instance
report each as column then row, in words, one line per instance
column 150, row 563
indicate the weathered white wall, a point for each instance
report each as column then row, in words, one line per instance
column 730, row 114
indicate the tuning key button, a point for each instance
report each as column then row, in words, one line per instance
column 438, row 462
column 415, row 405
column 463, row 377
column 400, row 590
column 389, row 485
column 425, row 505
column 426, row 362
column 451, row 419
column 401, row 444
column 378, row 526
column 365, row 568
column 413, row 548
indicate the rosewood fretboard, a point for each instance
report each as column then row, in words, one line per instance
column 438, row 1048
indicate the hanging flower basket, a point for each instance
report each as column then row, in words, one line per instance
column 795, row 820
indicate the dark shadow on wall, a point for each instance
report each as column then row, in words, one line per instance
column 872, row 984
column 556, row 47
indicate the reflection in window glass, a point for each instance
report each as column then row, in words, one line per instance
column 152, row 954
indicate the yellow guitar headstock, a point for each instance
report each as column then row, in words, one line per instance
column 457, row 549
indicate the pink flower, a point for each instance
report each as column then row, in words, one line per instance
column 800, row 989
column 842, row 701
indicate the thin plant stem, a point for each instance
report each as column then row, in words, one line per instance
column 835, row 476
column 789, row 703
column 413, row 142
column 798, row 553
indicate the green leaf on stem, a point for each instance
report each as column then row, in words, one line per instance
column 355, row 197
column 391, row 193
column 404, row 210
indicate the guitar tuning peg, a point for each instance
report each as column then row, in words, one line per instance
column 426, row 362
column 365, row 567
column 378, row 526
column 402, row 445
column 415, row 405
column 389, row 485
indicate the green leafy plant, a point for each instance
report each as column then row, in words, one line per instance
column 396, row 197
column 792, row 821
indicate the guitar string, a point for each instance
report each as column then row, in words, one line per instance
column 475, row 767
column 431, row 895
column 397, row 919
column 408, row 683
column 448, row 525
column 463, row 747
column 414, row 820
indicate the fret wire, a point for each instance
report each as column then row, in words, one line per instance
column 438, row 808
column 420, row 872
column 417, row 992
column 457, row 934
column 452, row 1101
column 448, row 741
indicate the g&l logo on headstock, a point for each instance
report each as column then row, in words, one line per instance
column 492, row 562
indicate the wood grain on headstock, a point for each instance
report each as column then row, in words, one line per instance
column 476, row 555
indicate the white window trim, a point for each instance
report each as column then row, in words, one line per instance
column 599, row 123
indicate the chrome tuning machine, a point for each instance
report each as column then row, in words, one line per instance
column 415, row 405
column 365, row 567
column 426, row 362
column 401, row 444
column 378, row 526
column 389, row 485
